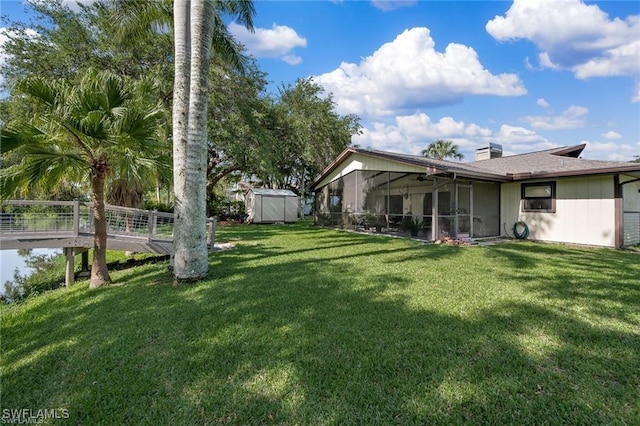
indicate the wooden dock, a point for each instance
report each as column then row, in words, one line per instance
column 26, row 224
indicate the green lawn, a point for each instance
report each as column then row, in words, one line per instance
column 304, row 325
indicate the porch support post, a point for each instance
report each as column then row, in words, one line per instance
column 434, row 212
column 69, row 269
column 618, row 212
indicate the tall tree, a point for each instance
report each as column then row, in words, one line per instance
column 62, row 43
column 441, row 149
column 306, row 135
column 197, row 24
column 85, row 126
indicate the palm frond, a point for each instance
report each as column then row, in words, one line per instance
column 140, row 20
column 16, row 135
column 46, row 91
column 241, row 11
column 226, row 47
column 93, row 125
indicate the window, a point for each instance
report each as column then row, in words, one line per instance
column 539, row 197
column 395, row 204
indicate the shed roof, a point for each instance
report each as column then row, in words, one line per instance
column 273, row 192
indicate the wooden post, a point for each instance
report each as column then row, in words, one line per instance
column 153, row 223
column 211, row 235
column 69, row 276
column 76, row 217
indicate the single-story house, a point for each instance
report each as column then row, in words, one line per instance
column 559, row 196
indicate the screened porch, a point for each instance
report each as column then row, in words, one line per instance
column 383, row 201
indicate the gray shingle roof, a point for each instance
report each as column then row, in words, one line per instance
column 553, row 162
column 549, row 163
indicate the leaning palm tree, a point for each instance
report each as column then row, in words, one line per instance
column 85, row 128
column 441, row 149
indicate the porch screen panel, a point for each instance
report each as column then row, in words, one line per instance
column 446, row 211
column 374, row 187
column 486, row 209
column 463, row 211
column 336, row 189
column 427, row 211
column 321, row 206
column 349, row 193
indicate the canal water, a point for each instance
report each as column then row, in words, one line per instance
column 10, row 260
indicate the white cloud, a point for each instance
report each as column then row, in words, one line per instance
column 623, row 60
column 636, row 93
column 521, row 139
column 276, row 42
column 292, row 59
column 410, row 134
column 611, row 135
column 572, row 118
column 389, row 5
column 609, row 151
column 572, row 35
column 73, row 4
column 541, row 102
column 408, row 72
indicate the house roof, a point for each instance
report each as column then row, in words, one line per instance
column 552, row 163
column 555, row 162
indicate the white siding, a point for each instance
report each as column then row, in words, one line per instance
column 291, row 209
column 585, row 212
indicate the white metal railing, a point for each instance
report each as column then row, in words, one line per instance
column 74, row 218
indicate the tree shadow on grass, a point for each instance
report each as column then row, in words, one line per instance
column 602, row 282
column 312, row 341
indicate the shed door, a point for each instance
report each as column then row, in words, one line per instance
column 291, row 209
column 272, row 208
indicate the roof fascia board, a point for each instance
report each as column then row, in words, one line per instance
column 598, row 171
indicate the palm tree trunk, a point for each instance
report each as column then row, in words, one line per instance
column 182, row 56
column 99, row 272
column 193, row 35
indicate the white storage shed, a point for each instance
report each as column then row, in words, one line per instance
column 271, row 205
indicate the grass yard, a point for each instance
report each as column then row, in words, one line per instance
column 304, row 325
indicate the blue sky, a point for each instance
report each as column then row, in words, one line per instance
column 529, row 75
column 526, row 74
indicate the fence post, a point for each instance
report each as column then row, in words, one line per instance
column 76, row 217
column 153, row 222
column 211, row 235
